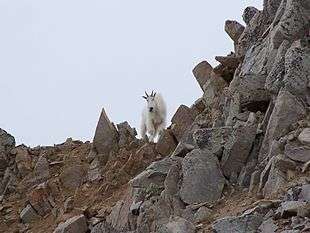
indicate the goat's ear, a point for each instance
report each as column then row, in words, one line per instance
column 144, row 97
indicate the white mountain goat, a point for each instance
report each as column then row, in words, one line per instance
column 153, row 116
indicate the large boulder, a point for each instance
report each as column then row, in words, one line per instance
column 202, row 177
column 287, row 111
column 154, row 174
column 106, row 136
column 166, row 143
column 72, row 177
column 238, row 148
column 181, row 121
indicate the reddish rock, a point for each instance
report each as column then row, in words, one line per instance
column 181, row 121
column 106, row 136
column 40, row 199
column 166, row 144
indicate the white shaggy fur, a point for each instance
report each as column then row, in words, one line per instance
column 153, row 120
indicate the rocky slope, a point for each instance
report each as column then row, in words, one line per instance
column 236, row 161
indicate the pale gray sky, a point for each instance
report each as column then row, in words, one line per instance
column 61, row 61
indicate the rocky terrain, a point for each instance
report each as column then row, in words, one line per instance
column 237, row 160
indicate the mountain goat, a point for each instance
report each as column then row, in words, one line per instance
column 153, row 119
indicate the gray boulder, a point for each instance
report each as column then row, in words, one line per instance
column 202, row 177
column 287, row 111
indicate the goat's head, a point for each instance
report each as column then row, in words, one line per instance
column 150, row 99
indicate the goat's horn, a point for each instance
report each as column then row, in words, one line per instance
column 146, row 94
column 152, row 93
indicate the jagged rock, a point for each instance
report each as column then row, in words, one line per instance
column 276, row 180
column 213, row 89
column 94, row 171
column 178, row 225
column 229, row 61
column 237, row 149
column 202, row 178
column 293, row 21
column 233, row 29
column 126, row 134
column 250, row 81
column 304, row 136
column 120, row 216
column 270, row 9
column 23, row 160
column 41, row 169
column 202, row 73
column 7, row 141
column 75, row 224
column 172, row 180
column 198, row 107
column 248, row 14
column 72, row 177
column 155, row 173
column 274, row 80
column 287, row 111
column 41, row 200
column 106, row 137
column 253, row 31
column 284, row 164
column 297, row 153
column 166, row 143
column 28, row 214
column 203, row 214
column 297, row 70
column 241, row 224
column 181, row 121
column 268, row 226
column 291, row 208
column 213, row 139
column 226, row 74
column 182, row 149
column 154, row 214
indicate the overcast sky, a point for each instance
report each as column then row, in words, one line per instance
column 61, row 61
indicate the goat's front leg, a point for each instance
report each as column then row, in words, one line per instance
column 151, row 131
column 160, row 129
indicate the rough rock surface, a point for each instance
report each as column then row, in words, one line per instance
column 202, row 178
